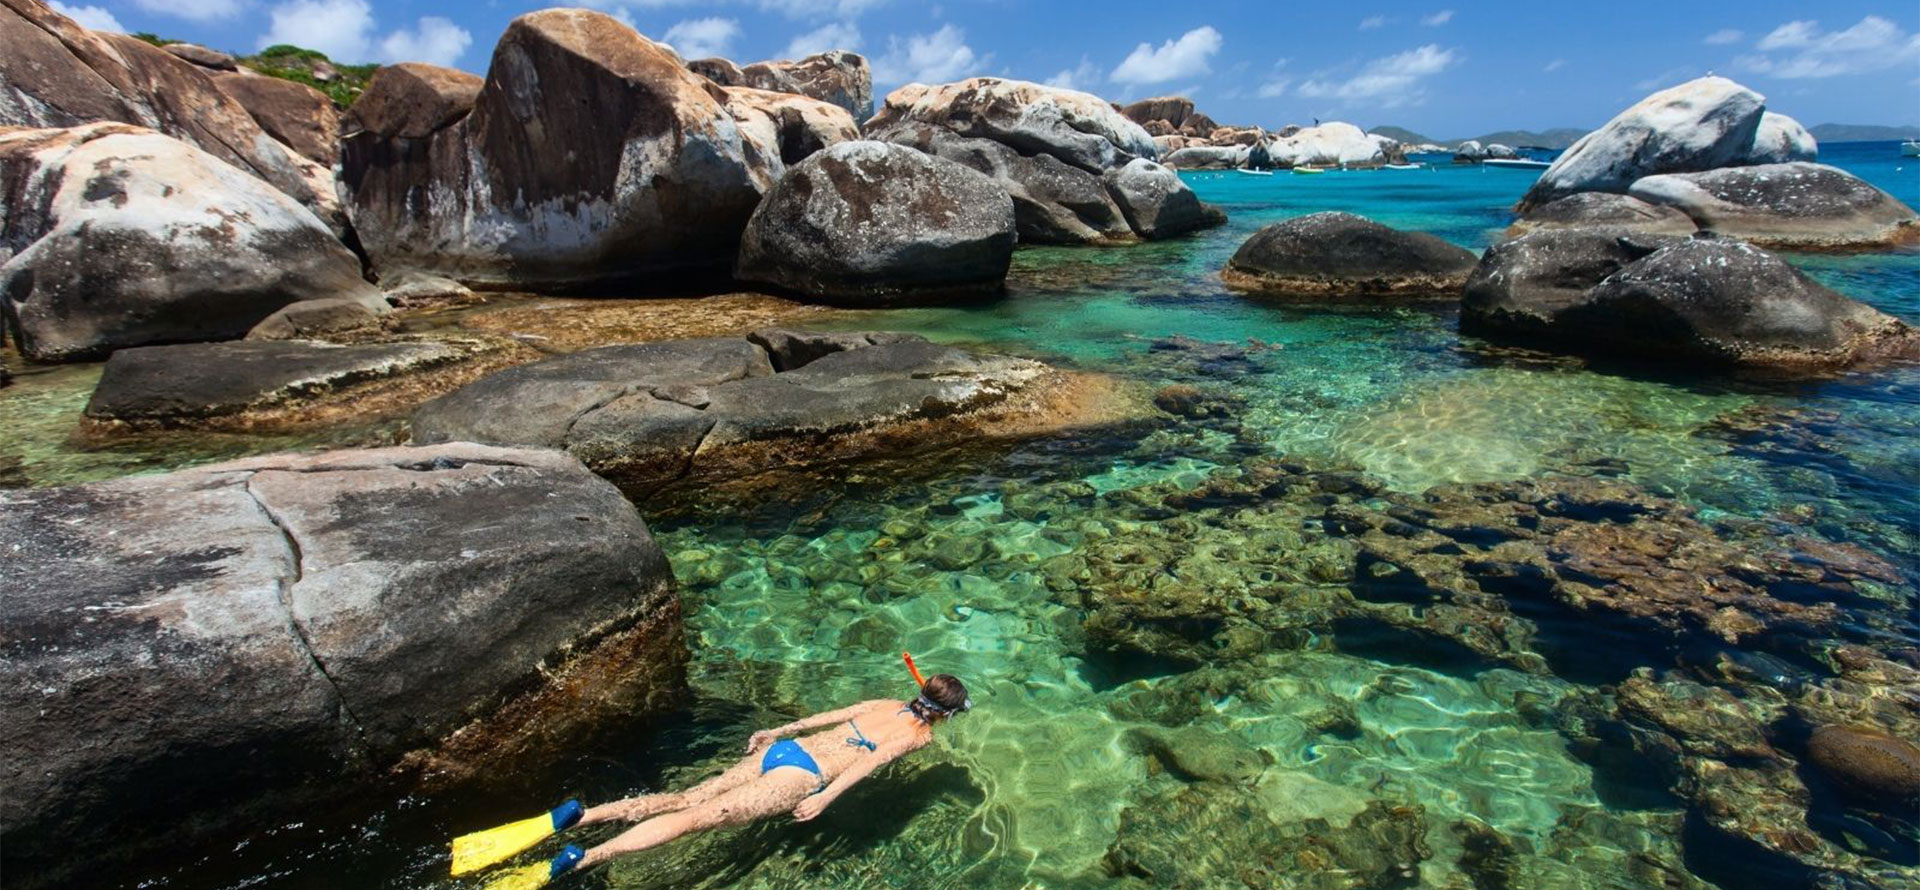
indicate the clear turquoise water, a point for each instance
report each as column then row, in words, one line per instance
column 802, row 604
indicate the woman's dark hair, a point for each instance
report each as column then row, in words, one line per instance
column 942, row 696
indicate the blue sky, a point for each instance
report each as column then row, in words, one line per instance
column 1444, row 69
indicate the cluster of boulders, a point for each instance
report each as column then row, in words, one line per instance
column 1332, row 144
column 1473, row 151
column 1711, row 151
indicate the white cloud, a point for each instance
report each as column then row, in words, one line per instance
column 1080, row 77
column 1373, row 21
column 344, row 30
column 1387, row 82
column 1555, row 65
column 1724, row 36
column 940, row 57
column 835, row 35
column 194, row 10
column 702, row 38
column 89, row 16
column 435, row 41
column 339, row 28
column 1874, row 44
column 1184, row 57
column 1275, row 88
column 1437, row 19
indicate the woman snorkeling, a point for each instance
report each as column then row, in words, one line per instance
column 802, row 775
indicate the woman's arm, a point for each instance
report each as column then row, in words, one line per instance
column 815, row 805
column 767, row 737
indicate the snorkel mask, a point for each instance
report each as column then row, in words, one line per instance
column 930, row 705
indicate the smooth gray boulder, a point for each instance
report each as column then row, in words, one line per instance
column 1469, row 152
column 192, row 654
column 1781, row 140
column 1791, row 206
column 1520, row 284
column 1604, row 210
column 1723, row 302
column 719, row 407
column 1209, row 157
column 192, row 382
column 1078, row 128
column 875, row 224
column 118, row 236
column 1053, row 202
column 1341, row 255
column 1156, row 203
column 1703, row 124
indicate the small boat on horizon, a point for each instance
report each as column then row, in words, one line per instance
column 1516, row 163
column 1405, row 167
column 1910, row 148
column 1309, row 170
column 1251, row 172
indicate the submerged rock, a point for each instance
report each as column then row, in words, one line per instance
column 100, row 208
column 1868, row 764
column 871, row 223
column 241, row 639
column 1786, row 206
column 1340, row 255
column 1605, row 210
column 660, row 177
column 58, row 74
column 1220, row 836
column 717, row 408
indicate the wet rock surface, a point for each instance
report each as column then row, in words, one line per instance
column 1333, row 255
column 875, row 224
column 356, row 612
column 195, row 382
column 719, row 408
column 100, row 207
column 1790, row 206
column 1520, row 285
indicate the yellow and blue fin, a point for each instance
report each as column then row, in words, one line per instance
column 483, row 849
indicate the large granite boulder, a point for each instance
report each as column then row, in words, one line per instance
column 298, row 115
column 56, row 73
column 1209, row 157
column 1605, row 210
column 196, row 653
column 716, row 408
column 1500, row 152
column 1156, row 203
column 1078, row 128
column 1330, row 144
column 1173, row 109
column 1469, row 152
column 1053, row 202
column 796, row 126
column 1703, row 124
column 1720, row 301
column 1781, row 140
column 1794, row 206
column 1520, row 284
column 117, row 236
column 412, row 100
column 1340, row 255
column 837, row 77
column 873, row 223
column 191, row 383
column 659, row 176
column 204, row 57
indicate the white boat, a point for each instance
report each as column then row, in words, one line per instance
column 1406, row 167
column 1253, row 172
column 1517, row 163
column 1307, row 171
column 1910, row 148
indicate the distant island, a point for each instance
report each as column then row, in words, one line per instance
column 1562, row 137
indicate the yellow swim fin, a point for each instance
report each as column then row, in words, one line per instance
column 532, row 877
column 483, row 849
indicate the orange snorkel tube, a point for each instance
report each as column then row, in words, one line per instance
column 918, row 681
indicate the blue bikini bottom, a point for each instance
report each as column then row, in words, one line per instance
column 788, row 752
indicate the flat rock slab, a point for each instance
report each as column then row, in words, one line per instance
column 197, row 381
column 719, row 406
column 241, row 639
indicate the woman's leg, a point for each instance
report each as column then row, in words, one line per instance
column 776, row 792
column 634, row 809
